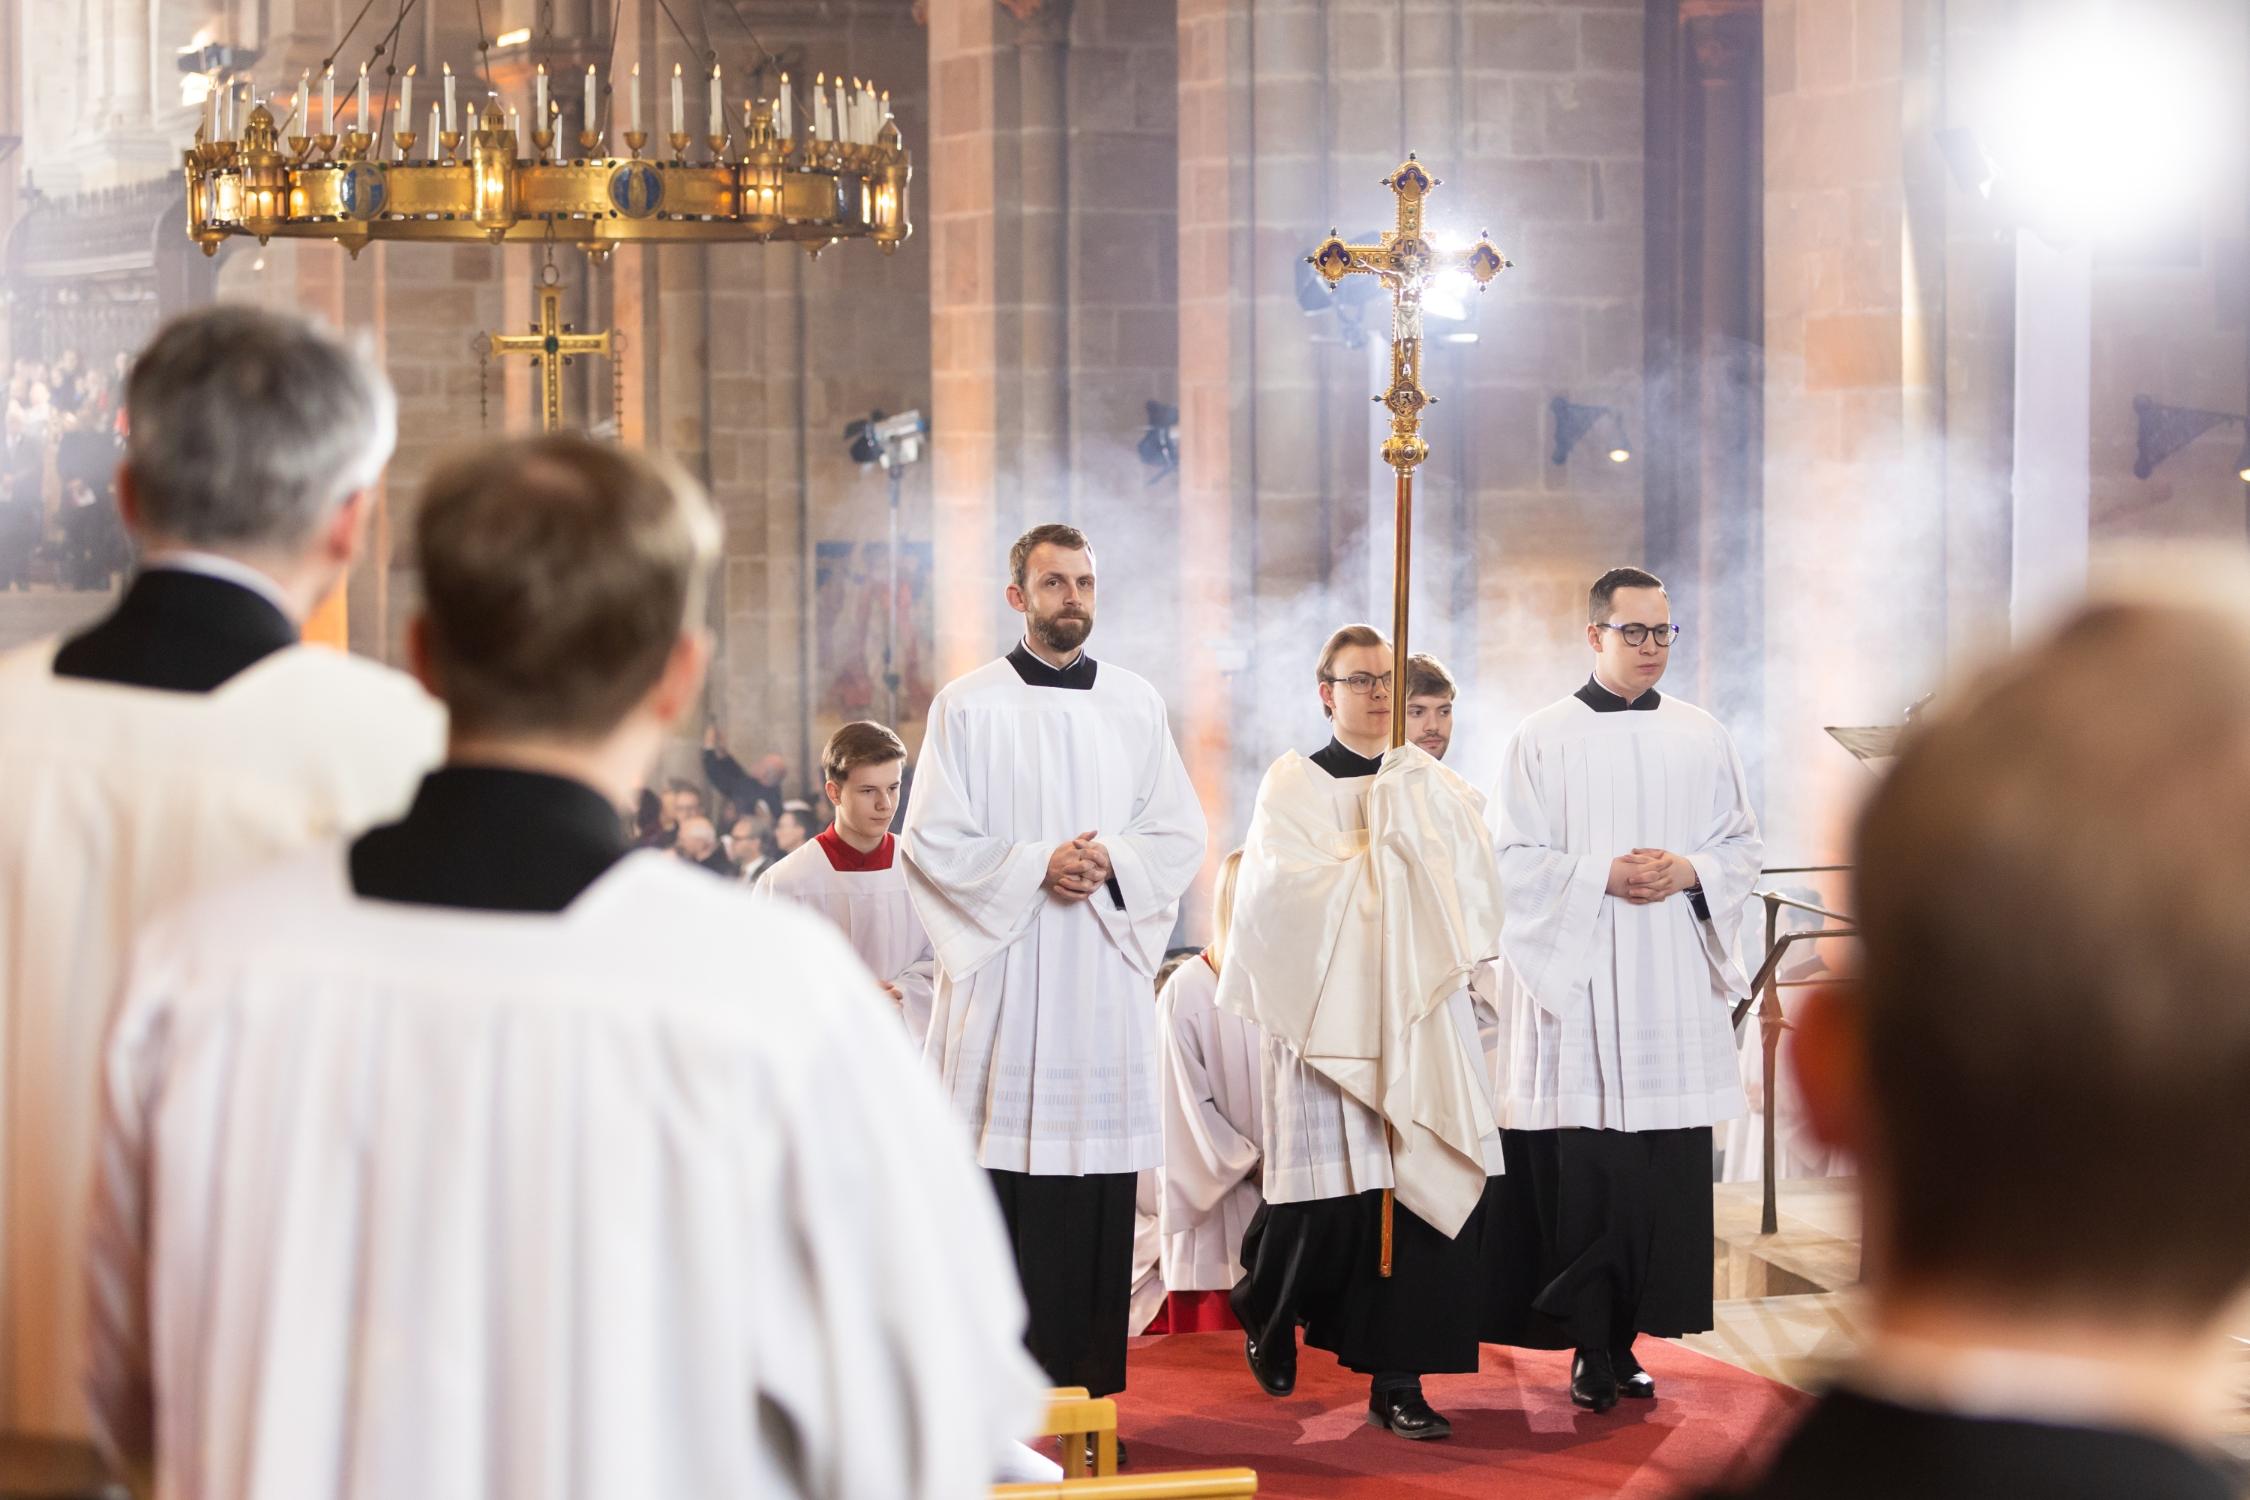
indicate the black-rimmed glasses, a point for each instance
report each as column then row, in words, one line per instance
column 1637, row 634
column 1361, row 683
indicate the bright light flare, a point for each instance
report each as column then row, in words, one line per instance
column 2109, row 117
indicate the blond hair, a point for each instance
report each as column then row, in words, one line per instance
column 1343, row 640
column 558, row 575
column 1222, row 908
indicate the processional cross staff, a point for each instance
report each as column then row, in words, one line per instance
column 1406, row 263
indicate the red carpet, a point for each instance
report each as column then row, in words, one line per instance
column 1192, row 1404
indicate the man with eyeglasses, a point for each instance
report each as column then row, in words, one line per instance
column 1366, row 895
column 1627, row 850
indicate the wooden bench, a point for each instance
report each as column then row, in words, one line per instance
column 1180, row 1484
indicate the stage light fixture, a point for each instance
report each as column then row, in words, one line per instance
column 1160, row 445
column 1574, row 420
column 2161, row 431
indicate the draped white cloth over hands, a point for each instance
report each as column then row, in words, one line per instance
column 412, row 1201
column 121, row 801
column 1615, row 1016
column 873, row 911
column 1041, row 1024
column 1213, row 1100
column 1353, row 948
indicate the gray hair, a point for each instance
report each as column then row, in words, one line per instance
column 247, row 427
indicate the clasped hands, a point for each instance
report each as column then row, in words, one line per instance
column 1077, row 869
column 1647, row 876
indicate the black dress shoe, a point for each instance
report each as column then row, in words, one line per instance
column 1632, row 1380
column 1407, row 1415
column 1275, row 1367
column 1593, row 1381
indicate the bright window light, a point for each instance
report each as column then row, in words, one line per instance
column 2110, row 116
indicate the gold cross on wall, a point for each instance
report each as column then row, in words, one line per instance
column 550, row 343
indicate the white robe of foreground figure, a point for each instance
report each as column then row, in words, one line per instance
column 1212, row 1106
column 437, row 1202
column 120, row 801
column 1041, row 1024
column 865, row 898
column 1617, row 1016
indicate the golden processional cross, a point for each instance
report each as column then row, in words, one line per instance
column 1405, row 262
column 551, row 344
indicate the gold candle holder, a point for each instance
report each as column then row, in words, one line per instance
column 450, row 142
column 679, row 146
column 356, row 145
column 300, row 146
column 634, row 140
column 718, row 145
column 326, row 143
column 588, row 142
column 405, row 140
column 542, row 139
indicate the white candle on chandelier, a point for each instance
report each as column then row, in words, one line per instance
column 328, row 95
column 883, row 114
column 515, row 132
column 437, row 120
column 211, row 110
column 820, row 107
column 539, row 98
column 592, row 115
column 302, row 114
column 839, row 106
column 679, row 102
column 406, row 98
column 718, row 104
column 555, row 124
column 784, row 122
column 360, row 110
column 874, row 118
column 451, row 120
column 633, row 102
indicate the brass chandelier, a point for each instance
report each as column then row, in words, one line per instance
column 811, row 172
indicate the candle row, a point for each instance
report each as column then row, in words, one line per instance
column 853, row 114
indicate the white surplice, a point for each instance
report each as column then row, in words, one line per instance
column 404, row 1200
column 1040, row 1021
column 1364, row 904
column 1616, row 1016
column 121, row 801
column 873, row 911
column 1214, row 1104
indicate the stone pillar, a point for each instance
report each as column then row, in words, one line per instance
column 998, row 331
column 1854, row 525
column 1705, row 328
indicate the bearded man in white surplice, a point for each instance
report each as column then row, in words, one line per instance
column 186, row 738
column 1051, row 834
column 1628, row 849
column 1367, row 898
column 452, row 1161
column 850, row 874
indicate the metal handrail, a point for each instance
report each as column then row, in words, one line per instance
column 1765, row 993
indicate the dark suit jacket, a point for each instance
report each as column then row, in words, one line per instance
column 1852, row 1447
column 179, row 632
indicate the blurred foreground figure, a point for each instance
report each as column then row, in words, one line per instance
column 2053, row 958
column 449, row 1163
column 185, row 739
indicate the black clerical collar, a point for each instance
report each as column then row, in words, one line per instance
column 1036, row 673
column 178, row 632
column 1340, row 761
column 485, row 838
column 1602, row 701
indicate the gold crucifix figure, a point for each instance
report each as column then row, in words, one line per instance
column 1405, row 262
column 551, row 343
